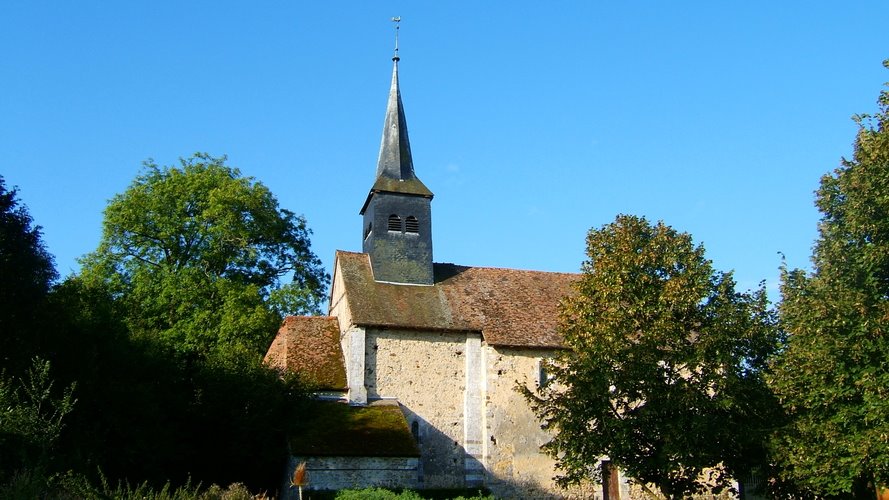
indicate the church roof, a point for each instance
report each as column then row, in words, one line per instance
column 395, row 165
column 509, row 307
column 310, row 346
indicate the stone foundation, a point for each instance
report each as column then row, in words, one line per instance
column 336, row 473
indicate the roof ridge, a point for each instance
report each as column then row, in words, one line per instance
column 511, row 269
column 301, row 317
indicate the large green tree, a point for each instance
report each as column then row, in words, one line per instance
column 26, row 273
column 663, row 367
column 205, row 259
column 833, row 378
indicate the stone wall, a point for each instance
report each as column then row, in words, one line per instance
column 426, row 372
column 515, row 464
column 352, row 340
column 335, row 473
column 460, row 397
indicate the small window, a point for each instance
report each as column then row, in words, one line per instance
column 544, row 375
column 368, row 230
column 415, row 431
column 411, row 225
column 394, row 223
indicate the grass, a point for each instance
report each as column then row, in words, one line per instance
column 385, row 494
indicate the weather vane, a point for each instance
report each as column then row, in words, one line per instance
column 396, row 20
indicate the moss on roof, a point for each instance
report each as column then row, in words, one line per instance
column 509, row 307
column 310, row 346
column 336, row 429
column 410, row 185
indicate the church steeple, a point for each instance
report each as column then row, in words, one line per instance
column 395, row 165
column 397, row 212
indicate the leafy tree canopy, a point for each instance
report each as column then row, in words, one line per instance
column 833, row 378
column 27, row 272
column 663, row 368
column 205, row 258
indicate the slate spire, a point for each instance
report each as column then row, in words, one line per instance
column 395, row 165
column 397, row 212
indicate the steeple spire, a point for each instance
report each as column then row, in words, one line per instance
column 398, row 212
column 395, row 165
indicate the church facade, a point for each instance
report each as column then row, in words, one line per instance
column 448, row 345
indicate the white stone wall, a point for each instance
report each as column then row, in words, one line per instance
column 352, row 340
column 474, row 412
column 338, row 304
column 473, row 425
column 426, row 372
column 335, row 473
column 515, row 465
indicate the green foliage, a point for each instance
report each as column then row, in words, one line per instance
column 167, row 364
column 143, row 415
column 384, row 494
column 166, row 326
column 30, row 419
column 205, row 259
column 833, row 379
column 479, row 496
column 377, row 494
column 188, row 491
column 664, row 368
column 27, row 272
column 28, row 485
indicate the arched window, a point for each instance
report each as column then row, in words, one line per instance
column 368, row 230
column 394, row 223
column 415, row 430
column 411, row 225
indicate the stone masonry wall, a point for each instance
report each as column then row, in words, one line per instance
column 426, row 372
column 515, row 465
column 335, row 473
column 351, row 341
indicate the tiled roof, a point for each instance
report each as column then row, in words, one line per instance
column 335, row 429
column 509, row 307
column 310, row 346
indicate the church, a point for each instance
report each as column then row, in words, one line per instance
column 418, row 363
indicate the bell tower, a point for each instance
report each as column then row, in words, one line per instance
column 398, row 210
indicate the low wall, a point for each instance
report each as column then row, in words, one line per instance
column 336, row 473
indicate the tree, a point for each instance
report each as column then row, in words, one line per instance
column 833, row 379
column 663, row 367
column 200, row 256
column 218, row 419
column 27, row 272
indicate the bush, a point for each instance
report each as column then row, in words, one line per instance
column 30, row 420
column 377, row 494
column 384, row 494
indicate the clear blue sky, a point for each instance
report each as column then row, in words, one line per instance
column 532, row 122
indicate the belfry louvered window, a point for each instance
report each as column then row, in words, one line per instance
column 394, row 223
column 411, row 225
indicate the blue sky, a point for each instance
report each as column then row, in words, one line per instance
column 532, row 122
